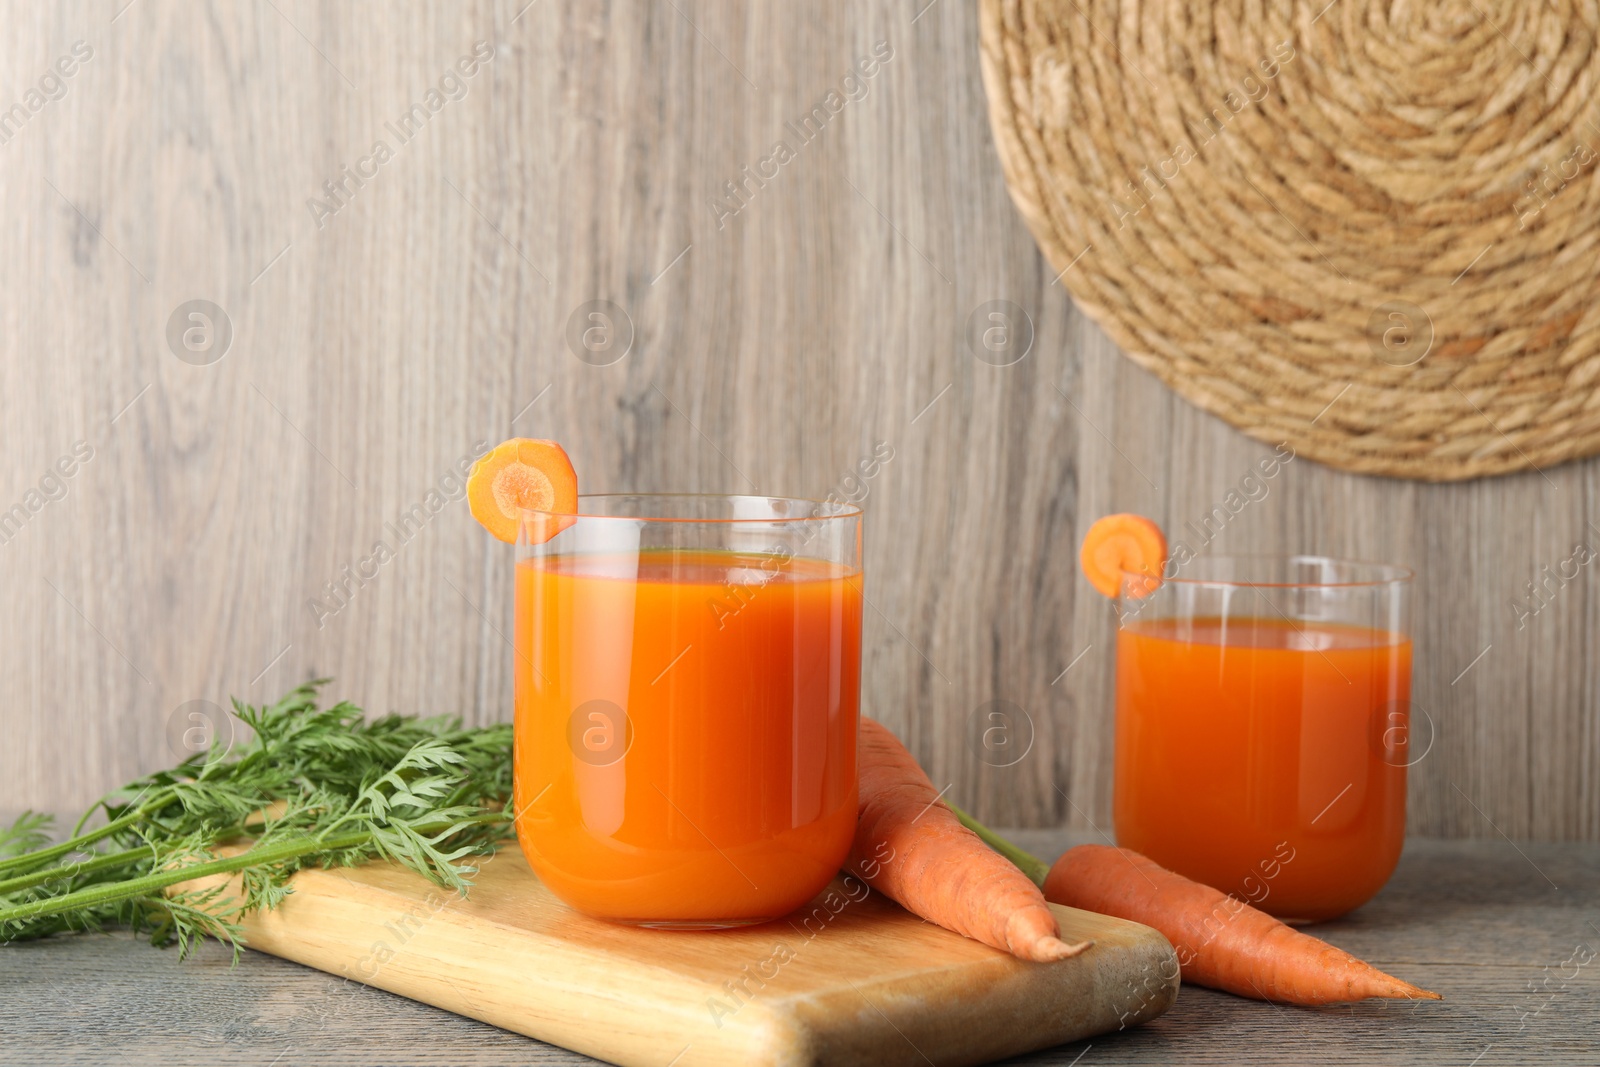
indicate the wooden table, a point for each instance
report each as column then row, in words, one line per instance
column 1498, row 928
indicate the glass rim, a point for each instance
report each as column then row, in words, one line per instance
column 1378, row 574
column 841, row 509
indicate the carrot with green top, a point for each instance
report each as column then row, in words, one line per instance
column 1221, row 942
column 911, row 847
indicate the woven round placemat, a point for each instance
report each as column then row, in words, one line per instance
column 1367, row 228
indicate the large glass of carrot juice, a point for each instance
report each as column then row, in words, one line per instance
column 1263, row 727
column 687, row 685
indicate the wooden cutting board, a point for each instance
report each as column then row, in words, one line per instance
column 852, row 980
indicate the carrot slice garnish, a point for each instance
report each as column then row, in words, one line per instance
column 1121, row 545
column 519, row 475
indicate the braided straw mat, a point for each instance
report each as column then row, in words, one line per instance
column 1367, row 227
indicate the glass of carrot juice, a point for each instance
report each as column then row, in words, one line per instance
column 687, row 685
column 1263, row 727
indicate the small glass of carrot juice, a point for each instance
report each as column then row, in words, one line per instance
column 1263, row 721
column 687, row 695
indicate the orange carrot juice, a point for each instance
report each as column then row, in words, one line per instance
column 686, row 730
column 1265, row 757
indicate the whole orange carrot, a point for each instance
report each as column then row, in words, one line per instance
column 1222, row 942
column 910, row 847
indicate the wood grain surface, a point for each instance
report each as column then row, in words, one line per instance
column 763, row 336
column 851, row 978
column 1475, row 920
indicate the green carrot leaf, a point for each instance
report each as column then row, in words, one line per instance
column 301, row 786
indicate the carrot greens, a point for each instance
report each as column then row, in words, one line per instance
column 312, row 787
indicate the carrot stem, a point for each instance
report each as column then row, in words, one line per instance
column 101, row 862
column 30, row 860
column 280, row 852
column 1035, row 868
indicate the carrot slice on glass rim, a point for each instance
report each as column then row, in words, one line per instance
column 1122, row 546
column 520, row 475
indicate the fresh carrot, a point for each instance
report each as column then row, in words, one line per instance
column 910, row 847
column 1119, row 546
column 1221, row 942
column 516, row 486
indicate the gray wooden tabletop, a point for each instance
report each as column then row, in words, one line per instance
column 1501, row 929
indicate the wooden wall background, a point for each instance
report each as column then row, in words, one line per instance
column 773, row 350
